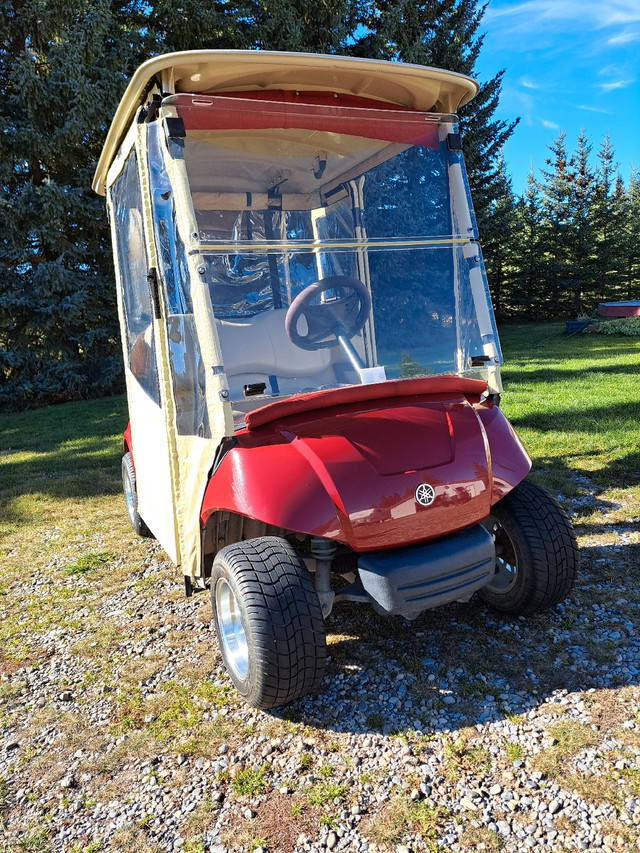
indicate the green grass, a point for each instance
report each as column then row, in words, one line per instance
column 62, row 460
column 4, row 797
column 249, row 782
column 514, row 751
column 575, row 402
column 88, row 562
column 401, row 816
column 325, row 793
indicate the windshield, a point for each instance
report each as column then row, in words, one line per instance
column 339, row 243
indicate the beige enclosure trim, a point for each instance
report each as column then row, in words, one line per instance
column 172, row 530
column 174, row 467
column 324, row 245
column 210, row 71
column 148, row 420
column 195, row 455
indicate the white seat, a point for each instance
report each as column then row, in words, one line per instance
column 258, row 347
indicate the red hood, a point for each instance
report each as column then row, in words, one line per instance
column 371, row 463
column 351, row 474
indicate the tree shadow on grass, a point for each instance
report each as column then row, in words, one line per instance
column 566, row 475
column 546, row 375
column 67, row 451
column 588, row 420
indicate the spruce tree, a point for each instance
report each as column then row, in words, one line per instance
column 629, row 234
column 194, row 25
column 610, row 210
column 603, row 215
column 62, row 70
column 325, row 26
column 500, row 246
column 527, row 297
column 556, row 231
column 581, row 244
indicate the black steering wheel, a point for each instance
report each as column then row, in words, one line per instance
column 344, row 314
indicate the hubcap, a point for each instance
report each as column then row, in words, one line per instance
column 127, row 487
column 506, row 563
column 232, row 634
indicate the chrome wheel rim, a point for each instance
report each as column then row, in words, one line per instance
column 506, row 573
column 232, row 633
column 127, row 488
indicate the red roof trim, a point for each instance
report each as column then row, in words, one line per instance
column 213, row 112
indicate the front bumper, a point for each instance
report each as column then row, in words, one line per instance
column 406, row 581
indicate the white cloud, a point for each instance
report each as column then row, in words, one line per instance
column 611, row 71
column 615, row 84
column 627, row 37
column 593, row 109
column 619, row 77
column 530, row 15
column 550, row 124
column 528, row 84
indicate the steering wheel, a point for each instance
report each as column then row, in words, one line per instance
column 343, row 314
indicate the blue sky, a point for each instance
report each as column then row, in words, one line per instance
column 570, row 64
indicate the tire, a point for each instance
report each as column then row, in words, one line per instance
column 268, row 620
column 536, row 552
column 131, row 497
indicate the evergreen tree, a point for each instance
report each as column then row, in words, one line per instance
column 500, row 246
column 62, row 69
column 324, row 26
column 527, row 298
column 629, row 235
column 445, row 34
column 602, row 217
column 556, row 232
column 580, row 249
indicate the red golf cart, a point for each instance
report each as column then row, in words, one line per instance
column 311, row 357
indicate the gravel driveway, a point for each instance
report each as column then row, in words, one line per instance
column 459, row 731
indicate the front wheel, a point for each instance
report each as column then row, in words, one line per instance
column 536, row 552
column 131, row 496
column 268, row 621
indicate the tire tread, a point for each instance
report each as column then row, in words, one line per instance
column 546, row 550
column 286, row 624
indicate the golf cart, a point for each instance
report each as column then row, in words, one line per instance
column 311, row 358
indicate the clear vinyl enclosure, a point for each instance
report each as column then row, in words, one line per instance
column 288, row 194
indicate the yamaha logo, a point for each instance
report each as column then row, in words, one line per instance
column 425, row 494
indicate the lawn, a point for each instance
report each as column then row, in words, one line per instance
column 92, row 612
column 575, row 402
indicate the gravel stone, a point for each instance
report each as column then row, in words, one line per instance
column 459, row 713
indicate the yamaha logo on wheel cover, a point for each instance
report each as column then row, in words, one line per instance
column 425, row 494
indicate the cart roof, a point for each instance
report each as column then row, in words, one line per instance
column 216, row 71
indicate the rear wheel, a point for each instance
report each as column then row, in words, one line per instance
column 268, row 621
column 131, row 496
column 536, row 552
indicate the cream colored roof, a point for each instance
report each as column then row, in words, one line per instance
column 211, row 71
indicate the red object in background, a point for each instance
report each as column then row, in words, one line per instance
column 347, row 468
column 619, row 309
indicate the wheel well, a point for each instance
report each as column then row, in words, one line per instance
column 226, row 528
